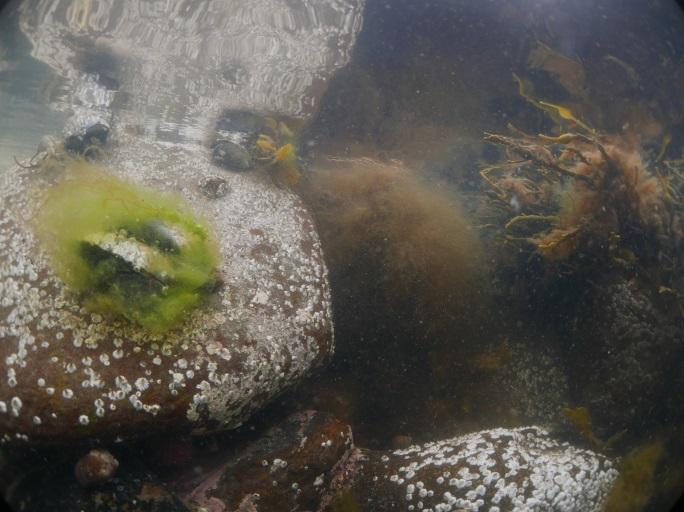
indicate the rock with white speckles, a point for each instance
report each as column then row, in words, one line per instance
column 308, row 462
column 494, row 470
column 288, row 468
column 66, row 373
column 532, row 383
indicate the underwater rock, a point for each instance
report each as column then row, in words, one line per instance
column 635, row 349
column 499, row 469
column 308, row 462
column 288, row 468
column 95, row 134
column 231, row 156
column 533, row 384
column 69, row 373
column 95, row 467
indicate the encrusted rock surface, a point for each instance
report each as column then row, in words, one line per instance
column 495, row 470
column 308, row 462
column 151, row 80
column 533, row 382
column 288, row 468
column 636, row 352
column 66, row 373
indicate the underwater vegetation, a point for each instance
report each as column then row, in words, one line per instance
column 581, row 202
column 126, row 250
column 580, row 419
column 577, row 193
column 415, row 231
column 278, row 153
column 405, row 266
column 635, row 484
column 583, row 214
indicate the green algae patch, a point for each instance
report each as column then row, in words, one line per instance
column 128, row 251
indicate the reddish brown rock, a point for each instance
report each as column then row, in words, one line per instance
column 495, row 470
column 308, row 462
column 289, row 468
column 66, row 373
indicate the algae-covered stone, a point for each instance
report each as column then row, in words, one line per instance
column 126, row 250
column 69, row 371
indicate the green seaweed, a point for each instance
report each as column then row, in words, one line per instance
column 128, row 251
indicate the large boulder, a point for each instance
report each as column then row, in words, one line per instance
column 159, row 75
column 70, row 373
column 499, row 469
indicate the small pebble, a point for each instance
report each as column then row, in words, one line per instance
column 96, row 467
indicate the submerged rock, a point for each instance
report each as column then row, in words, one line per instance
column 69, row 373
column 533, row 382
column 309, row 463
column 231, row 156
column 636, row 351
column 495, row 470
column 288, row 468
column 149, row 107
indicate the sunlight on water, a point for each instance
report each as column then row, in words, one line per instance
column 171, row 67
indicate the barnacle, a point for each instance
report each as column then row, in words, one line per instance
column 125, row 250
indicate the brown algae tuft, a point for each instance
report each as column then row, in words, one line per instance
column 635, row 485
column 384, row 217
column 127, row 251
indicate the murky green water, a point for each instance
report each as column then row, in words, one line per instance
column 498, row 188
